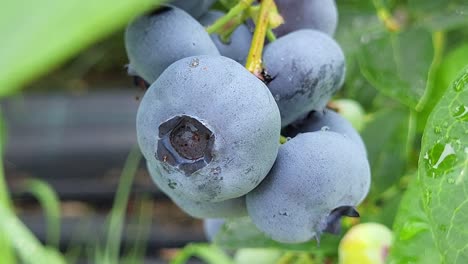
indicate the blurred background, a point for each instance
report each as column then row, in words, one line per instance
column 74, row 129
column 72, row 126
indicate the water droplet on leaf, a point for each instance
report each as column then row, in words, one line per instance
column 460, row 84
column 461, row 113
column 440, row 159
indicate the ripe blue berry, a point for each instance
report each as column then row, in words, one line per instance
column 152, row 45
column 227, row 208
column 320, row 15
column 210, row 127
column 317, row 178
column 307, row 67
column 326, row 120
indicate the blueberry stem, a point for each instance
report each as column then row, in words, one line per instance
column 227, row 29
column 283, row 139
column 254, row 59
column 270, row 35
column 386, row 17
column 233, row 12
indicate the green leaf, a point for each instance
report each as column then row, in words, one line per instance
column 397, row 64
column 210, row 254
column 413, row 238
column 15, row 235
column 439, row 14
column 261, row 255
column 39, row 35
column 50, row 203
column 3, row 132
column 4, row 193
column 351, row 25
column 448, row 70
column 451, row 66
column 142, row 233
column 355, row 6
column 6, row 250
column 117, row 214
column 29, row 249
column 386, row 136
column 7, row 255
column 443, row 167
column 242, row 233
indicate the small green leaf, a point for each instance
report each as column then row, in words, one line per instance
column 6, row 250
column 117, row 215
column 136, row 254
column 413, row 238
column 397, row 64
column 443, row 167
column 210, row 254
column 448, row 70
column 39, row 35
column 50, row 203
column 3, row 132
column 29, row 249
column 451, row 65
column 15, row 235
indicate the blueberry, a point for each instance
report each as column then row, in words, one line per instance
column 237, row 47
column 326, row 120
column 210, row 126
column 211, row 227
column 317, row 178
column 307, row 67
column 152, row 45
column 228, row 208
column 195, row 8
column 320, row 15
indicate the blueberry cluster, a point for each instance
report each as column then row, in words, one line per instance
column 210, row 129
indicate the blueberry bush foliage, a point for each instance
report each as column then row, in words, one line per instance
column 406, row 64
